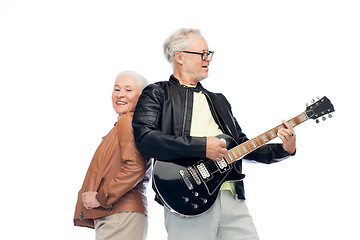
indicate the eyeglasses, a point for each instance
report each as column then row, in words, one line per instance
column 204, row 55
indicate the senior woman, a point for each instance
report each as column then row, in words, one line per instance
column 113, row 196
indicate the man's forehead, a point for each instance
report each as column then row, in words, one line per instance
column 199, row 43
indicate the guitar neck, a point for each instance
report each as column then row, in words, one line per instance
column 243, row 149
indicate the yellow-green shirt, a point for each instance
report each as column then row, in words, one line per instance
column 204, row 125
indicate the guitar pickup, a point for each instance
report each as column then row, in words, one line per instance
column 195, row 176
column 203, row 171
column 222, row 164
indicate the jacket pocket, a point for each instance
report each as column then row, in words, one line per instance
column 100, row 184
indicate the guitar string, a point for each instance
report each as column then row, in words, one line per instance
column 257, row 142
column 211, row 165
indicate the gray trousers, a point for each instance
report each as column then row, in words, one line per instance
column 127, row 226
column 227, row 219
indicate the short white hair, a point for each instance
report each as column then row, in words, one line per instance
column 141, row 81
column 179, row 41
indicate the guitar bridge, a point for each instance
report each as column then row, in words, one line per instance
column 186, row 180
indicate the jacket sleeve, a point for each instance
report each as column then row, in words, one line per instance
column 149, row 137
column 268, row 153
column 131, row 172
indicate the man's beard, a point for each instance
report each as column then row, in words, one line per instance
column 201, row 77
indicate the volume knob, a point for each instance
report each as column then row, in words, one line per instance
column 186, row 199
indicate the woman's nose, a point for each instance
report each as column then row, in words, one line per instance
column 121, row 93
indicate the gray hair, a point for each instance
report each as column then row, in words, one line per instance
column 142, row 82
column 179, row 41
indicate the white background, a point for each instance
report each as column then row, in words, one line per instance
column 58, row 62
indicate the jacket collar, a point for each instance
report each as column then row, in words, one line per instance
column 198, row 87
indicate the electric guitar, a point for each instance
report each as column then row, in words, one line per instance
column 189, row 187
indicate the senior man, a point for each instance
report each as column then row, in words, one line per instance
column 178, row 120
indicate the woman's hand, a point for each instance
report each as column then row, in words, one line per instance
column 89, row 200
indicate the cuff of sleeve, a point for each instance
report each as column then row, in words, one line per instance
column 101, row 197
column 286, row 153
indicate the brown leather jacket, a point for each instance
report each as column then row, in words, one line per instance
column 119, row 173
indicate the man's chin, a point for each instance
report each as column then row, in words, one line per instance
column 203, row 77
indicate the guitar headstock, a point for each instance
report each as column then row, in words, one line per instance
column 320, row 108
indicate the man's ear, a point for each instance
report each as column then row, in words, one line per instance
column 178, row 58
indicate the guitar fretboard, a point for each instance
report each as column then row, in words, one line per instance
column 241, row 150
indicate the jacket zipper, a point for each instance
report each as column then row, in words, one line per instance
column 213, row 110
column 185, row 113
column 222, row 128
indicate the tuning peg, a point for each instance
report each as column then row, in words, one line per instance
column 312, row 100
column 323, row 118
column 318, row 98
column 306, row 104
column 317, row 121
column 329, row 115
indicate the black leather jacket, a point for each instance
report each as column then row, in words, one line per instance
column 162, row 122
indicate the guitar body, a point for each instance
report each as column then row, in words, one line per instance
column 189, row 187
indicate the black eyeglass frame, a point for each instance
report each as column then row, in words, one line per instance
column 204, row 55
